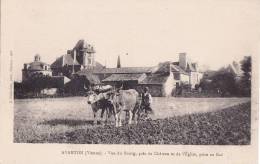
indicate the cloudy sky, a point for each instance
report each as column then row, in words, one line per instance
column 211, row 32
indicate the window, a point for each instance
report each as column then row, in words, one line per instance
column 89, row 61
column 176, row 76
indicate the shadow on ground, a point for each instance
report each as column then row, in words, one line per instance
column 68, row 122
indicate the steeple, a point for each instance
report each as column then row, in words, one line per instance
column 118, row 62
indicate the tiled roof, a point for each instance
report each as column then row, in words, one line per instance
column 163, row 67
column 155, row 79
column 123, row 70
column 98, row 67
column 37, row 65
column 68, row 60
column 125, row 77
column 176, row 68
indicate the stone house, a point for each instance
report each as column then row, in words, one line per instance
column 186, row 72
column 35, row 67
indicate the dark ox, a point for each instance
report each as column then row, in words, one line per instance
column 128, row 101
column 100, row 102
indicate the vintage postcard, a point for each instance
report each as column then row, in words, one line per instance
column 129, row 81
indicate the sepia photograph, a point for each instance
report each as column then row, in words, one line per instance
column 132, row 73
column 76, row 99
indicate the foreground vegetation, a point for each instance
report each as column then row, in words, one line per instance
column 229, row 126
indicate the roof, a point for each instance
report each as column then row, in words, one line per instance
column 68, row 60
column 124, row 70
column 235, row 68
column 86, row 71
column 175, row 63
column 125, row 77
column 191, row 67
column 37, row 65
column 155, row 79
column 176, row 68
column 93, row 79
column 164, row 68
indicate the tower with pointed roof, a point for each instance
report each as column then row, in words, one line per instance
column 118, row 62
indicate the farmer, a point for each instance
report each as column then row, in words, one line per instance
column 146, row 101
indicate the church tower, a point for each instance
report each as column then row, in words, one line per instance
column 85, row 54
column 88, row 56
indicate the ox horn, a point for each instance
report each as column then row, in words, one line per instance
column 85, row 87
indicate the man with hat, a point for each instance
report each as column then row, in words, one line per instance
column 146, row 101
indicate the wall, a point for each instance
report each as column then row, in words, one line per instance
column 169, row 85
column 195, row 78
column 184, row 78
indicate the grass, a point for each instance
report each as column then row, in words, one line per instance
column 228, row 126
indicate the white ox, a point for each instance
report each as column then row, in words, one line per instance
column 114, row 103
column 100, row 102
column 128, row 101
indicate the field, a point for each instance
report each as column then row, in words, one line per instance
column 175, row 121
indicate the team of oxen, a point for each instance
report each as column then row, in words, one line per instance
column 114, row 102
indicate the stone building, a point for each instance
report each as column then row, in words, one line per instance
column 82, row 56
column 35, row 67
column 162, row 79
column 186, row 72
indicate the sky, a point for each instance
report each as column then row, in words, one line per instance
column 211, row 32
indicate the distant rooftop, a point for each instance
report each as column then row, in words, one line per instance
column 125, row 77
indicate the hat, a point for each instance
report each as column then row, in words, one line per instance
column 146, row 89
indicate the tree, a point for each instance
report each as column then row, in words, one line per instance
column 37, row 81
column 225, row 83
column 245, row 82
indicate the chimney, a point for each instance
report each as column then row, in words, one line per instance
column 183, row 60
column 118, row 62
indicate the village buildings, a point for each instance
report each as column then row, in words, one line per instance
column 80, row 66
column 163, row 79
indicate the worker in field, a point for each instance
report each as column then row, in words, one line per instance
column 146, row 101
